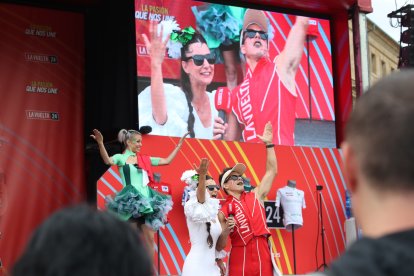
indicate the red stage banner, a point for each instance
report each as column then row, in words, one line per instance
column 41, row 119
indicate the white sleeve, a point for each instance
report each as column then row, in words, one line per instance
column 221, row 254
column 177, row 111
column 201, row 212
column 214, row 111
column 278, row 196
column 303, row 200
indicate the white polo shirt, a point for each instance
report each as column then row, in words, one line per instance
column 292, row 200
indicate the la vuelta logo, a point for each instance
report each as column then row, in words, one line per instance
column 242, row 222
column 246, row 110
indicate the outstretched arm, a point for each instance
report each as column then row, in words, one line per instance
column 289, row 59
column 170, row 158
column 271, row 163
column 202, row 172
column 97, row 136
column 156, row 48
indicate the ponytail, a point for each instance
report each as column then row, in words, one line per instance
column 209, row 238
column 186, row 87
column 124, row 135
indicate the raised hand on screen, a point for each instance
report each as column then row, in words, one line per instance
column 155, row 45
column 267, row 136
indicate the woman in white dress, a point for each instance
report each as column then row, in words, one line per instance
column 171, row 110
column 203, row 225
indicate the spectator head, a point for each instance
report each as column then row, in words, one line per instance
column 378, row 148
column 83, row 241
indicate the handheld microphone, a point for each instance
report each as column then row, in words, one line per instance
column 145, row 130
column 230, row 210
column 222, row 102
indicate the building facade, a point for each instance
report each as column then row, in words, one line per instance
column 383, row 53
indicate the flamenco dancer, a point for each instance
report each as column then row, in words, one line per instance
column 137, row 202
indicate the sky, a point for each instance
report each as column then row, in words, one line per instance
column 379, row 16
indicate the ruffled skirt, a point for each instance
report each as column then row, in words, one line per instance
column 129, row 203
column 220, row 25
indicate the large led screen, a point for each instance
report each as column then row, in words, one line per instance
column 222, row 72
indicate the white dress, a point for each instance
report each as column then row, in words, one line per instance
column 201, row 259
column 177, row 113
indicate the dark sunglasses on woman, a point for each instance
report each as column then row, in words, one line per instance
column 199, row 59
column 212, row 187
column 252, row 33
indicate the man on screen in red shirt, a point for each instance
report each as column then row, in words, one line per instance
column 244, row 214
column 268, row 90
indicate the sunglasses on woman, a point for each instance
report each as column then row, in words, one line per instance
column 252, row 33
column 199, row 59
column 212, row 187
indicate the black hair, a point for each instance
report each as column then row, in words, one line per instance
column 83, row 241
column 185, row 82
column 209, row 238
column 208, row 224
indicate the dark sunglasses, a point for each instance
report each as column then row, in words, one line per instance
column 212, row 187
column 233, row 177
column 252, row 33
column 199, row 59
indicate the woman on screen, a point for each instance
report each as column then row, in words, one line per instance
column 171, row 110
column 203, row 225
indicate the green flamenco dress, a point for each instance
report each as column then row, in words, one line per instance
column 137, row 200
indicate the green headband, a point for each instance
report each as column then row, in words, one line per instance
column 183, row 36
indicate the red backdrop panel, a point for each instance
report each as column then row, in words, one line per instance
column 41, row 119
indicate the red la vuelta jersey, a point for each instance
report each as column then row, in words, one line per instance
column 262, row 97
column 250, row 218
